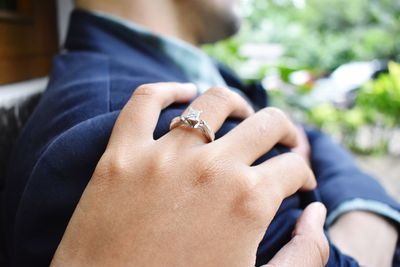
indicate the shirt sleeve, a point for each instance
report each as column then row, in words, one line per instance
column 342, row 185
column 373, row 206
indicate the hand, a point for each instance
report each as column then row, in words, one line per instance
column 368, row 238
column 309, row 246
column 178, row 201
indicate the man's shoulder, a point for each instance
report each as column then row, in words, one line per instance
column 96, row 74
column 83, row 86
column 84, row 71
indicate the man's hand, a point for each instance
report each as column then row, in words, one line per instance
column 179, row 201
column 309, row 246
column 368, row 238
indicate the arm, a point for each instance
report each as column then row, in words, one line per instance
column 336, row 169
column 359, row 208
column 367, row 237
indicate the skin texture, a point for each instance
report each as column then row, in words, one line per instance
column 352, row 230
column 194, row 21
column 214, row 19
column 204, row 21
column 179, row 201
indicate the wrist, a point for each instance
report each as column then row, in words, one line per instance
column 367, row 237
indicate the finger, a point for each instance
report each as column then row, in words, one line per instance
column 138, row 118
column 216, row 104
column 312, row 220
column 303, row 145
column 258, row 134
column 281, row 177
column 309, row 246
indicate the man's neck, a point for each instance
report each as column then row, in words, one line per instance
column 163, row 20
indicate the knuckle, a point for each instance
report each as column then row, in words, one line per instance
column 274, row 121
column 247, row 202
column 162, row 160
column 271, row 116
column 221, row 94
column 116, row 164
column 244, row 183
column 276, row 116
column 263, row 125
column 145, row 90
column 296, row 160
column 156, row 164
column 276, row 113
column 111, row 167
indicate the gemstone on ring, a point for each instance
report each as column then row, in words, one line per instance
column 192, row 120
column 192, row 117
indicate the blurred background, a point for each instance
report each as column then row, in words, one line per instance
column 330, row 64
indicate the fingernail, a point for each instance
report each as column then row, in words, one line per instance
column 318, row 210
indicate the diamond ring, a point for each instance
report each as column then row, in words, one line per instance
column 192, row 120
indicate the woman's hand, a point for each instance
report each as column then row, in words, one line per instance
column 303, row 147
column 179, row 201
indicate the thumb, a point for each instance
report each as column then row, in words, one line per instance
column 309, row 246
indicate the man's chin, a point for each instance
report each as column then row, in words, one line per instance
column 221, row 33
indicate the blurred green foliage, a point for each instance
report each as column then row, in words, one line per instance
column 376, row 109
column 383, row 96
column 318, row 34
column 377, row 102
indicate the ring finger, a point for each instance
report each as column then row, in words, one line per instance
column 215, row 105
